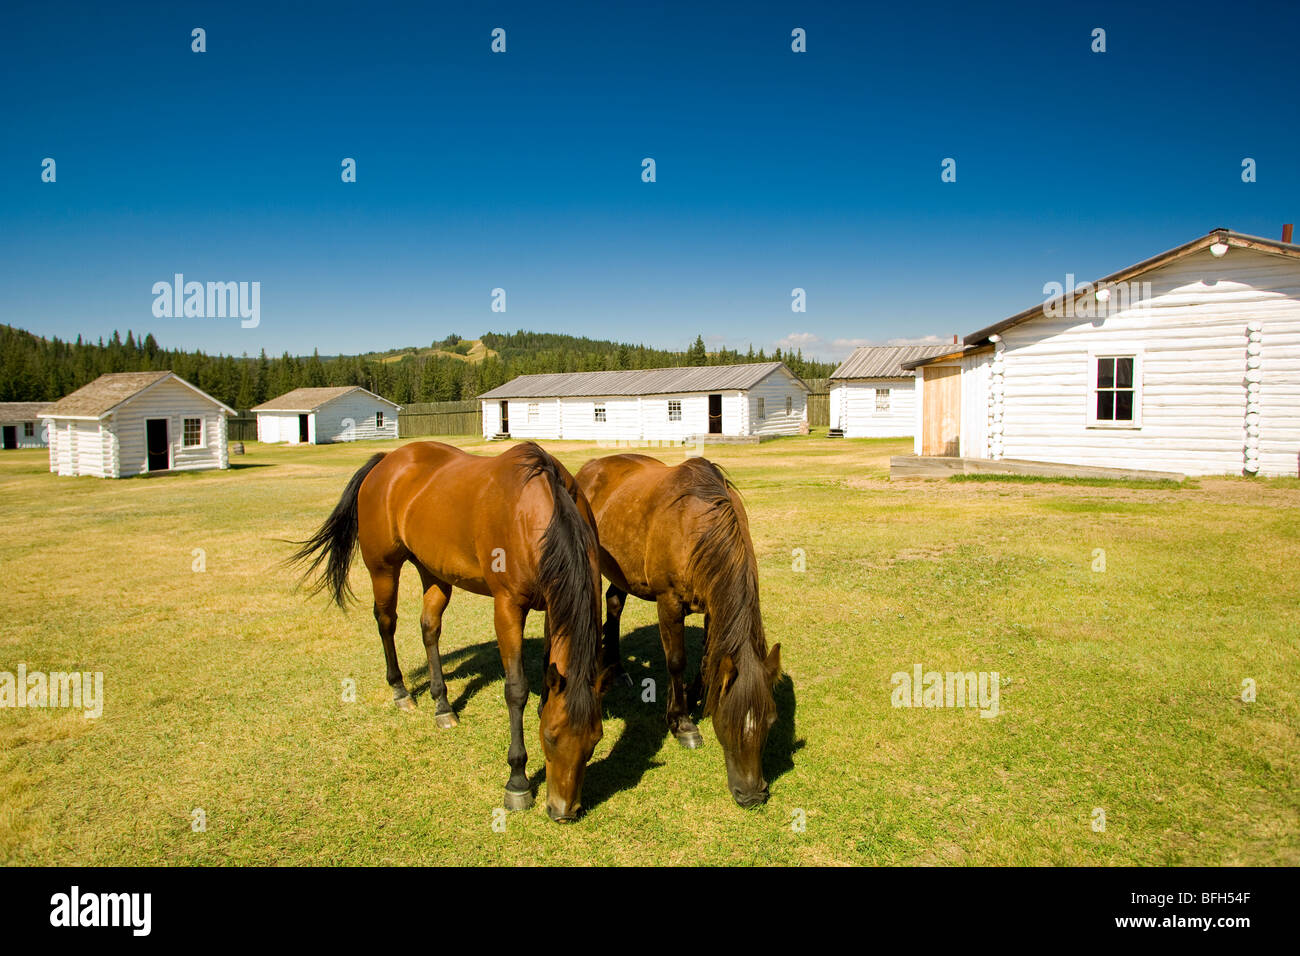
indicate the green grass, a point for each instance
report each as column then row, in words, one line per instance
column 1120, row 688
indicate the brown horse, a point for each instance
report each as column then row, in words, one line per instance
column 679, row 536
column 515, row 528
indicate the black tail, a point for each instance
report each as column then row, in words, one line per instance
column 571, row 591
column 334, row 543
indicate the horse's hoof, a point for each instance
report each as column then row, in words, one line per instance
column 518, row 801
column 445, row 721
column 406, row 704
column 690, row 739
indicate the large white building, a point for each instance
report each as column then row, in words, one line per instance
column 318, row 416
column 1186, row 362
column 872, row 395
column 662, row 404
column 129, row 423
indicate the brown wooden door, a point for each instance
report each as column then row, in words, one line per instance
column 942, row 413
column 715, row 414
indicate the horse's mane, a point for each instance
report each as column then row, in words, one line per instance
column 723, row 569
column 572, row 593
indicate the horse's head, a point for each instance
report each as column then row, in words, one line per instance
column 570, row 728
column 744, row 711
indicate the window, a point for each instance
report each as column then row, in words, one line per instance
column 762, row 410
column 379, row 419
column 674, row 410
column 600, row 412
column 534, row 413
column 789, row 404
column 29, row 429
column 1116, row 390
column 193, row 433
column 882, row 400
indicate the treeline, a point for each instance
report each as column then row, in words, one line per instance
column 33, row 368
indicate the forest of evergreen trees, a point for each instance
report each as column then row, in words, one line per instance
column 33, row 368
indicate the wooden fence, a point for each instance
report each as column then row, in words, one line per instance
column 819, row 402
column 440, row 418
column 243, row 427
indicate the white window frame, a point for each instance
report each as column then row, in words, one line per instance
column 29, row 429
column 1119, row 352
column 534, row 412
column 599, row 413
column 379, row 418
column 203, row 432
column 762, row 408
column 674, row 409
column 789, row 405
column 887, row 394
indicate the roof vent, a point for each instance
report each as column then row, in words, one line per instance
column 1286, row 232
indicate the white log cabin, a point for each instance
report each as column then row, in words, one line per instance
column 132, row 423
column 669, row 405
column 320, row 416
column 23, row 425
column 1188, row 362
column 873, row 396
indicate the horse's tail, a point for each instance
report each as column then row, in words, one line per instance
column 335, row 542
column 571, row 590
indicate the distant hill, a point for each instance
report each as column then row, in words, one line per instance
column 33, row 368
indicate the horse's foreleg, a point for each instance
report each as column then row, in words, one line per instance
column 672, row 621
column 436, row 596
column 384, row 581
column 509, row 619
column 615, row 599
column 695, row 693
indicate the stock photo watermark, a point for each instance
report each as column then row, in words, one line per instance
column 977, row 690
column 75, row 690
column 213, row 300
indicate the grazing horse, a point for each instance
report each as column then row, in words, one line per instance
column 679, row 536
column 515, row 528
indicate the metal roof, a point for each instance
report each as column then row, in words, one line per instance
column 886, row 361
column 310, row 399
column 23, row 411
column 649, row 381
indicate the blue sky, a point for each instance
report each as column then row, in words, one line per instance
column 522, row 170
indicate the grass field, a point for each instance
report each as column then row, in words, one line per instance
column 1120, row 689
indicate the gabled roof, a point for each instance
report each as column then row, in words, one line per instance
column 886, row 361
column 110, row 390
column 649, row 381
column 1227, row 236
column 24, row 411
column 307, row 400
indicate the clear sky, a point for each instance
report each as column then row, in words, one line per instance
column 523, row 170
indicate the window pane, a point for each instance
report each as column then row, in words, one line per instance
column 1105, row 406
column 1123, row 406
column 1124, row 373
column 1105, row 373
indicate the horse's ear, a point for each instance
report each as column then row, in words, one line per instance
column 605, row 681
column 773, row 664
column 726, row 674
column 554, row 679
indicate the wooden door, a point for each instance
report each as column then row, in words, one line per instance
column 304, row 430
column 505, row 418
column 715, row 414
column 941, row 434
column 11, row 436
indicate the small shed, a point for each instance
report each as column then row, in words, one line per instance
column 1187, row 362
column 320, row 416
column 660, row 405
column 872, row 395
column 130, row 423
column 22, row 424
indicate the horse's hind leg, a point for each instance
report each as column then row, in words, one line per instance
column 436, row 595
column 615, row 599
column 672, row 626
column 384, row 580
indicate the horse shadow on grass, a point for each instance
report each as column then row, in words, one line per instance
column 645, row 726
